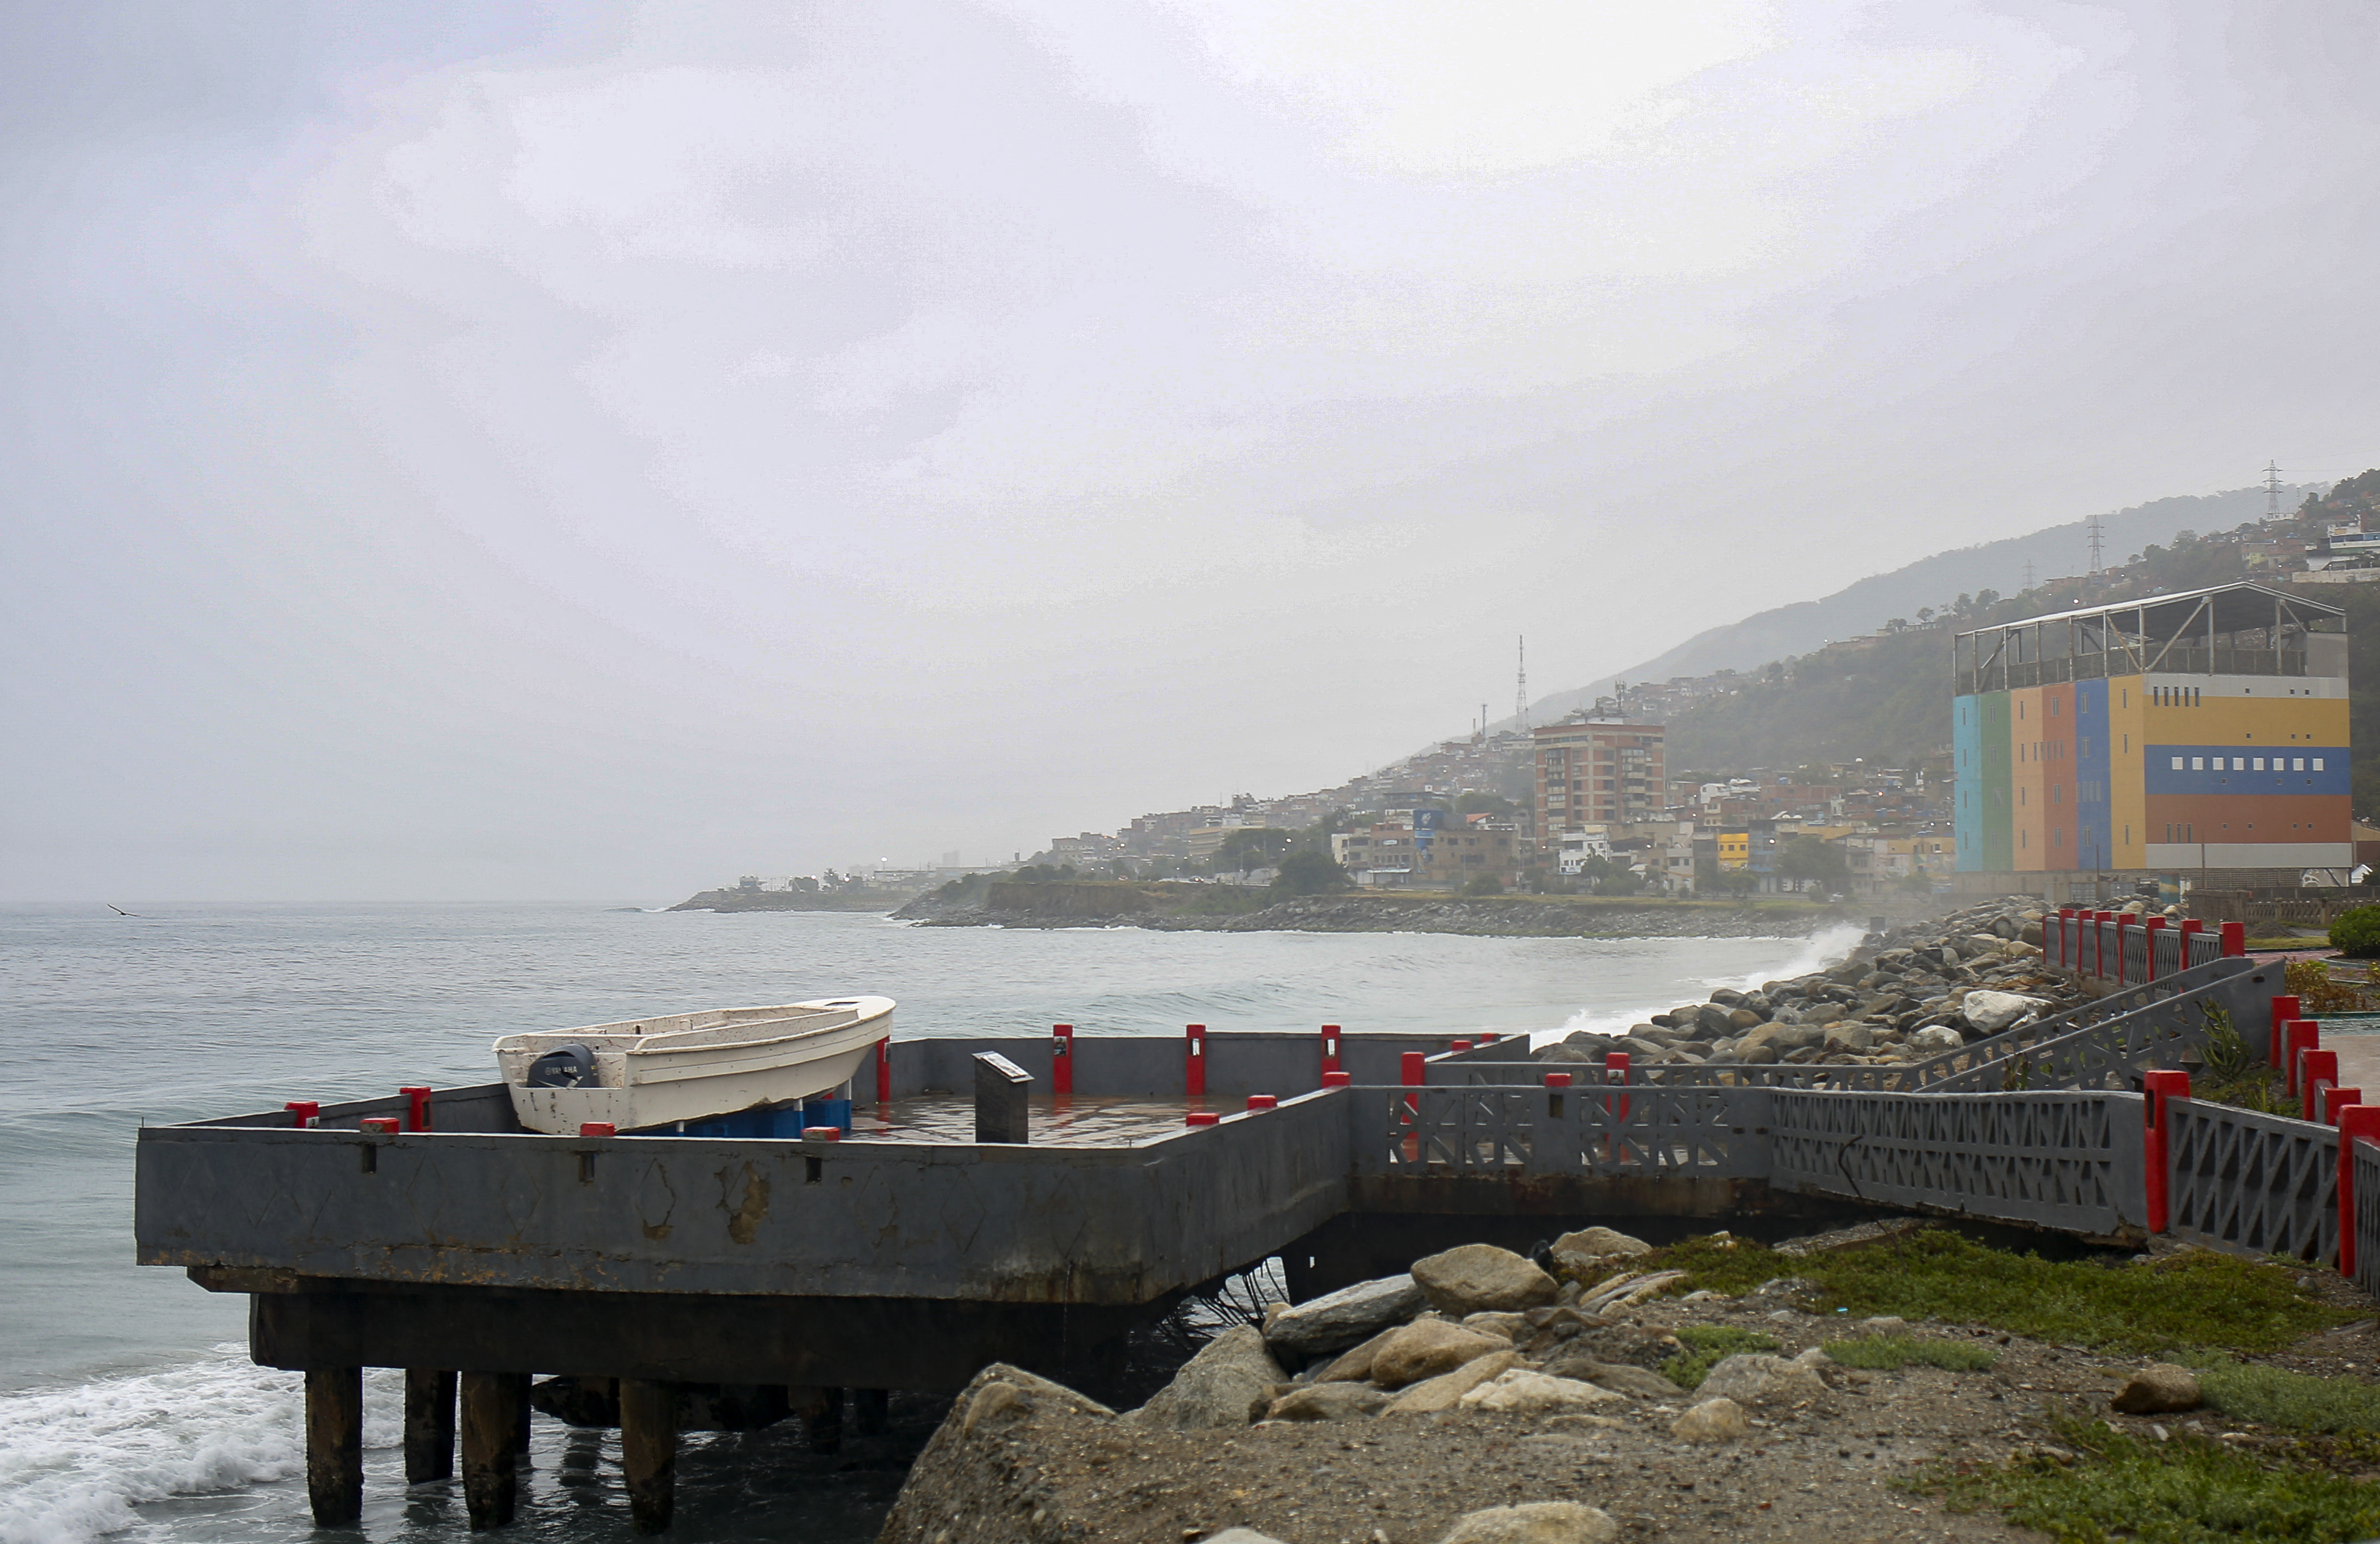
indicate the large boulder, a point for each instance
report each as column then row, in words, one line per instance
column 1989, row 1013
column 1443, row 1391
column 1713, row 1420
column 1590, row 1248
column 1620, row 1376
column 1339, row 1320
column 1473, row 1278
column 1426, row 1348
column 1751, row 1377
column 1533, row 1523
column 1355, row 1364
column 2158, row 1388
column 1519, row 1392
column 1936, row 1039
column 1228, row 1383
column 1329, row 1402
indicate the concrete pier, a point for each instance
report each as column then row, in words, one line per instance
column 648, row 1450
column 428, row 1426
column 334, row 1444
column 490, row 1425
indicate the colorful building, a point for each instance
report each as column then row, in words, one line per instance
column 2201, row 731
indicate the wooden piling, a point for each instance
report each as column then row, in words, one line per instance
column 491, row 1476
column 429, row 1425
column 334, row 1444
column 648, row 1450
column 872, row 1410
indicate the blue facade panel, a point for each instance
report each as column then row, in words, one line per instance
column 2093, row 848
column 2200, row 769
column 1967, row 771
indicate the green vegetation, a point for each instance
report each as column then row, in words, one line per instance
column 2275, row 1396
column 2197, row 1299
column 1707, row 1346
column 2236, row 1074
column 1486, row 884
column 2188, row 1491
column 1308, row 872
column 1892, row 1352
column 2357, row 933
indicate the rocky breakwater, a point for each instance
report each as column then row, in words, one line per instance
column 1483, row 1397
column 1903, row 995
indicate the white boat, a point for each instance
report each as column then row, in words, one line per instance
column 660, row 1072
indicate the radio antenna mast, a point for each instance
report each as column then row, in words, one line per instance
column 1521, row 690
column 2272, row 491
column 2098, row 536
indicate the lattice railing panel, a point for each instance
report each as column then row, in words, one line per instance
column 2252, row 1182
column 2065, row 1159
column 2367, row 1216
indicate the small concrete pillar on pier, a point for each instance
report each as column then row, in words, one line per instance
column 648, row 1450
column 491, row 1426
column 871, row 1410
column 334, row 1444
column 1000, row 1089
column 429, row 1425
column 822, row 1412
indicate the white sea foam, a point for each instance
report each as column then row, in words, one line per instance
column 75, row 1462
column 1820, row 949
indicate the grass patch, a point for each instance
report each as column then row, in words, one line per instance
column 2190, row 1490
column 2275, row 1396
column 2197, row 1299
column 1892, row 1352
column 1707, row 1346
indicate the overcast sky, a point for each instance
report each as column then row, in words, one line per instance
column 463, row 451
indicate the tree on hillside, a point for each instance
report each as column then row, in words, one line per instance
column 1308, row 872
column 1480, row 802
column 1247, row 849
column 1811, row 860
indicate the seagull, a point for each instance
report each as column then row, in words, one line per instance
column 117, row 910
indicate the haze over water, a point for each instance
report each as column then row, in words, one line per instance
column 130, row 1403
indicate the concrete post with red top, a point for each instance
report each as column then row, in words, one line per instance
column 2300, row 1036
column 1264, row 1101
column 304, row 1112
column 1193, row 1065
column 2285, row 1008
column 2156, row 1169
column 1330, row 1049
column 1338, row 1079
column 2320, row 1074
column 2336, row 1100
column 1458, row 1045
column 884, row 1074
column 1413, row 1071
column 2357, row 1122
column 2235, row 940
column 417, row 1106
column 2191, row 928
column 1062, row 1058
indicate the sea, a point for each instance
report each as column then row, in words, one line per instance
column 129, row 1408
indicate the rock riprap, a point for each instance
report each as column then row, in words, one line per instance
column 1342, row 1318
column 1228, row 1383
column 1481, row 1278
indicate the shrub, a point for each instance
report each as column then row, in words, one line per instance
column 2357, row 933
column 1486, row 884
column 1707, row 1346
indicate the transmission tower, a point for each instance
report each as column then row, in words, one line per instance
column 2098, row 537
column 1520, row 692
column 2028, row 573
column 2272, row 491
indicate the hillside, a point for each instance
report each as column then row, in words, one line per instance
column 1888, row 699
column 1863, row 607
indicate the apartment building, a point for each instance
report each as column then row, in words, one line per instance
column 1596, row 771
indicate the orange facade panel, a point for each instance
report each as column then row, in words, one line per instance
column 2249, row 818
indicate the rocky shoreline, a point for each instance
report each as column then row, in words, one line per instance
column 1510, row 917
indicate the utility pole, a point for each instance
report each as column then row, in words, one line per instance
column 2098, row 539
column 2272, row 491
column 1520, row 692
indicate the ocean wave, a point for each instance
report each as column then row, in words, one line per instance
column 73, row 1462
column 1817, row 952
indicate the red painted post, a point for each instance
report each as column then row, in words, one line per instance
column 303, row 1112
column 416, row 1106
column 2321, row 1072
column 1062, row 1058
column 1615, row 1071
column 2156, row 1169
column 1484, row 1038
column 1200, row 1118
column 1338, row 1079
column 2357, row 1122
column 2336, row 1100
column 1194, row 1068
column 821, row 1133
column 883, row 1072
column 2298, row 1036
column 1557, row 1080
column 1412, row 1069
column 2191, row 928
column 1330, row 1049
column 1458, row 1045
column 2235, row 940
column 2152, row 925
column 598, row 1128
column 1263, row 1102
column 2123, row 919
column 2284, row 1010
column 379, row 1126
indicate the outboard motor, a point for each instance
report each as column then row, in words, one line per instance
column 573, row 1066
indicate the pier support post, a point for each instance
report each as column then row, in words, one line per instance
column 429, row 1425
column 521, row 1382
column 872, row 1409
column 490, row 1425
column 822, row 1413
column 334, row 1444
column 648, row 1450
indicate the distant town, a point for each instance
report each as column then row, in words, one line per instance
column 1593, row 804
